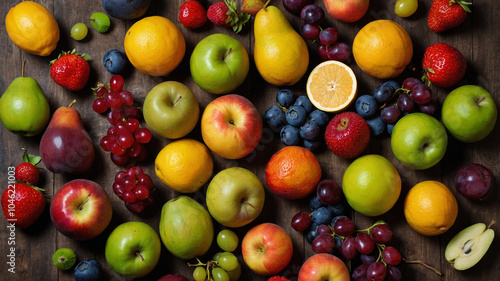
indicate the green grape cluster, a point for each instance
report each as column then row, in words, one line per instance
column 224, row 265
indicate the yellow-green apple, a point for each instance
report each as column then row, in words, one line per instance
column 231, row 126
column 219, row 63
column 171, row 110
column 81, row 209
column 419, row 141
column 267, row 248
column 346, row 10
column 235, row 197
column 469, row 113
column 323, row 267
column 133, row 249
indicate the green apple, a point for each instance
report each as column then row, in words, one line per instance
column 469, row 113
column 419, row 141
column 171, row 110
column 219, row 63
column 235, row 197
column 132, row 249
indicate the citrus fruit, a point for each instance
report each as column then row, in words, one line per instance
column 293, row 172
column 382, row 48
column 331, row 86
column 32, row 28
column 371, row 185
column 154, row 45
column 430, row 208
column 184, row 165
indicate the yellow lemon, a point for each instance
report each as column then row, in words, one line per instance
column 430, row 208
column 184, row 165
column 382, row 48
column 154, row 45
column 32, row 28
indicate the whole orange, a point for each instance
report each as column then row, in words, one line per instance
column 430, row 208
column 293, row 172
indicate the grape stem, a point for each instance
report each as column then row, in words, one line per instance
column 425, row 265
column 368, row 230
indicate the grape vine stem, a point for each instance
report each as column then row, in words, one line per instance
column 425, row 265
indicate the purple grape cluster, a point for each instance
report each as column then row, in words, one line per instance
column 296, row 120
column 329, row 48
column 390, row 101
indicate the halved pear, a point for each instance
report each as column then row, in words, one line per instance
column 468, row 247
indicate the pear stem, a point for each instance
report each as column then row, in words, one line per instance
column 425, row 265
column 491, row 224
column 72, row 103
column 22, row 68
column 265, row 4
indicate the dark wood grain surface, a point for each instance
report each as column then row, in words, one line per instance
column 477, row 38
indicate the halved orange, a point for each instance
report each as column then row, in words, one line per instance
column 331, row 86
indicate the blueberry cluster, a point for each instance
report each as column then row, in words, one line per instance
column 390, row 101
column 297, row 120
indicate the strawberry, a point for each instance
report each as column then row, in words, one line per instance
column 226, row 13
column 70, row 70
column 443, row 65
column 192, row 14
column 22, row 204
column 278, row 278
column 27, row 171
column 447, row 14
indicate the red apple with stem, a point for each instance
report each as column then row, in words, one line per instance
column 231, row 126
column 81, row 209
column 323, row 267
column 267, row 249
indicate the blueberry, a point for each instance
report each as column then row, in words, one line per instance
column 377, row 126
column 314, row 203
column 393, row 84
column 337, row 209
column 320, row 117
column 290, row 135
column 115, row 61
column 311, row 232
column 312, row 145
column 366, row 106
column 285, row 98
column 88, row 270
column 296, row 115
column 383, row 93
column 390, row 127
column 310, row 130
column 305, row 103
column 338, row 242
column 275, row 118
column 322, row 215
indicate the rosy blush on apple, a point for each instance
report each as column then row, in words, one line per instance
column 323, row 267
column 81, row 209
column 347, row 10
column 267, row 249
column 231, row 126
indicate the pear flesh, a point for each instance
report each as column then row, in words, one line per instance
column 468, row 247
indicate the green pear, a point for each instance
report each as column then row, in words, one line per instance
column 186, row 228
column 24, row 109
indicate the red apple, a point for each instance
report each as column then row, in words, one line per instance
column 324, row 267
column 231, row 126
column 81, row 209
column 267, row 249
column 346, row 10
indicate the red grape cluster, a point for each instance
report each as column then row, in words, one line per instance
column 126, row 138
column 135, row 188
column 329, row 48
column 390, row 101
column 330, row 231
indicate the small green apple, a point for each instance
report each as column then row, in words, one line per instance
column 235, row 197
column 133, row 249
column 419, row 141
column 171, row 110
column 219, row 63
column 469, row 113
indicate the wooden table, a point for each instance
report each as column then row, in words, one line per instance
column 477, row 38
